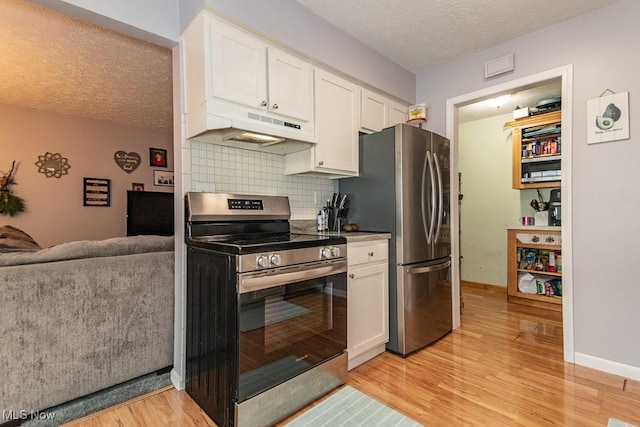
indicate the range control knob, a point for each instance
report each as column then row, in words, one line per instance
column 335, row 252
column 275, row 259
column 325, row 253
column 262, row 261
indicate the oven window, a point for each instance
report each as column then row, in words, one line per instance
column 288, row 329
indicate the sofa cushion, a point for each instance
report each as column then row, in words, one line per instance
column 13, row 239
column 81, row 249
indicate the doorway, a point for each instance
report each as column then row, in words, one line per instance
column 454, row 105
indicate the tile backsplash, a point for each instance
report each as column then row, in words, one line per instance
column 236, row 170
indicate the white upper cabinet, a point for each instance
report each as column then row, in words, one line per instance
column 290, row 84
column 238, row 66
column 247, row 70
column 379, row 112
column 374, row 111
column 337, row 107
column 398, row 113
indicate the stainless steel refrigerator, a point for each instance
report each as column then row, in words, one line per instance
column 404, row 188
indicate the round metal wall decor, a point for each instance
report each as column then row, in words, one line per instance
column 53, row 165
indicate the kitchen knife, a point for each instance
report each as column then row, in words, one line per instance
column 334, row 200
column 343, row 202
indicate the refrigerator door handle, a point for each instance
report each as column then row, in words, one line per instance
column 440, row 199
column 429, row 268
column 422, row 197
column 433, row 199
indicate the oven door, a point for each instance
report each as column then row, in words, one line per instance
column 291, row 319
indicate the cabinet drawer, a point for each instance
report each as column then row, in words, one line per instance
column 537, row 238
column 364, row 252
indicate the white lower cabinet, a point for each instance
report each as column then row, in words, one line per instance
column 367, row 300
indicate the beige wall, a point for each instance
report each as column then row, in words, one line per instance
column 55, row 211
column 490, row 203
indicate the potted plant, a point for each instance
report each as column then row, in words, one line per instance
column 10, row 204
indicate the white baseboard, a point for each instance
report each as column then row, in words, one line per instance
column 366, row 355
column 177, row 380
column 627, row 371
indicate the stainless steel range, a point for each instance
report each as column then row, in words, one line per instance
column 266, row 310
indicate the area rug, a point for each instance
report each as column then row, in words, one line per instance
column 349, row 407
column 617, row 423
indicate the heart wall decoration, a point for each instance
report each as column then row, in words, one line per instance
column 128, row 162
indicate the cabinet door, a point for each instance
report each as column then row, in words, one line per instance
column 290, row 85
column 238, row 66
column 337, row 106
column 367, row 308
column 398, row 113
column 374, row 111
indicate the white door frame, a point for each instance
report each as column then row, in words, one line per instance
column 566, row 74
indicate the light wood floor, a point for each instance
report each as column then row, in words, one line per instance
column 502, row 367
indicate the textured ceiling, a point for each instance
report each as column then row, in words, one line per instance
column 422, row 34
column 52, row 62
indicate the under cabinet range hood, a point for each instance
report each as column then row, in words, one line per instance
column 241, row 128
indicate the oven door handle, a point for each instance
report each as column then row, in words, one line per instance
column 251, row 282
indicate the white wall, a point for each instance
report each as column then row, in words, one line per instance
column 490, row 203
column 602, row 46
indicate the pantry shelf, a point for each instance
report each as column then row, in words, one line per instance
column 546, row 273
column 537, row 147
column 531, row 254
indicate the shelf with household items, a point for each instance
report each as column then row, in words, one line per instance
column 534, row 270
column 537, row 150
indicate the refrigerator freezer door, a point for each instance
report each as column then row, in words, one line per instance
column 441, row 157
column 416, row 197
column 424, row 304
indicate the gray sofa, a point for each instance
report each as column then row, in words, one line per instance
column 83, row 316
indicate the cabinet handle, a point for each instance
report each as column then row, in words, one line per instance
column 370, row 253
column 351, row 276
column 275, row 106
column 263, row 104
column 320, row 163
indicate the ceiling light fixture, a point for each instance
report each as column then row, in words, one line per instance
column 499, row 101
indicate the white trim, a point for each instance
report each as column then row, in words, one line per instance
column 177, row 380
column 452, row 104
column 616, row 368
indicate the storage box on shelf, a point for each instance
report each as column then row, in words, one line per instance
column 538, row 253
column 537, row 147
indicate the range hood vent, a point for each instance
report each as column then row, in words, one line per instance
column 249, row 130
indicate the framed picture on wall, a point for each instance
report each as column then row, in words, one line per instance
column 137, row 186
column 163, row 178
column 158, row 157
column 97, row 192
